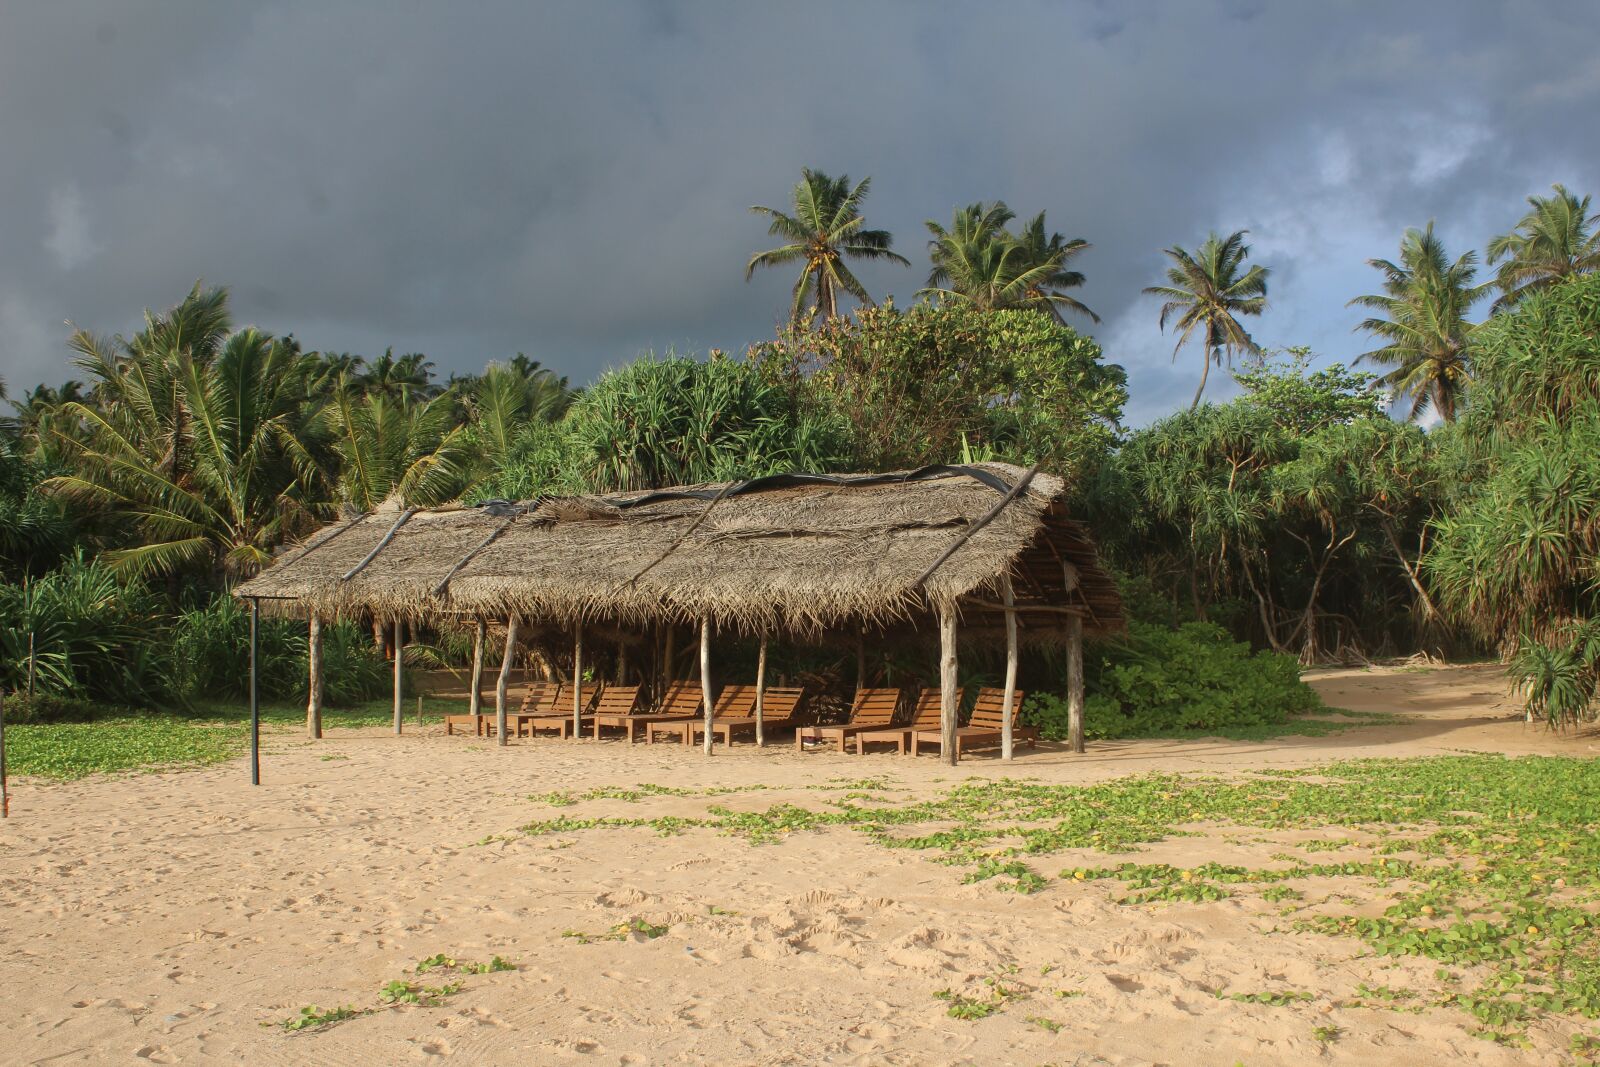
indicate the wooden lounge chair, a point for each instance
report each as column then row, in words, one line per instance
column 984, row 727
column 483, row 723
column 873, row 709
column 556, row 713
column 735, row 707
column 925, row 716
column 682, row 701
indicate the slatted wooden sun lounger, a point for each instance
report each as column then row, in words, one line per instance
column 682, row 702
column 556, row 713
column 483, row 723
column 873, row 709
column 735, row 704
column 984, row 728
column 925, row 716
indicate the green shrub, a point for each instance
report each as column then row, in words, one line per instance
column 211, row 653
column 352, row 669
column 91, row 634
column 1191, row 680
column 211, row 657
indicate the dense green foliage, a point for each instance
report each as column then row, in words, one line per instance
column 1293, row 514
column 1299, row 518
column 1517, row 552
column 919, row 386
column 102, row 639
column 1195, row 679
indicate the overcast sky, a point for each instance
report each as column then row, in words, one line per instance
column 572, row 180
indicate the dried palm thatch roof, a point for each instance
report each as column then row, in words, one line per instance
column 795, row 553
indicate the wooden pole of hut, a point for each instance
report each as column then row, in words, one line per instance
column 622, row 660
column 255, row 692
column 861, row 660
column 667, row 657
column 480, row 634
column 1074, row 664
column 314, row 699
column 947, row 684
column 504, row 680
column 577, row 681
column 705, row 678
column 1008, row 597
column 761, row 692
column 5, row 791
column 399, row 683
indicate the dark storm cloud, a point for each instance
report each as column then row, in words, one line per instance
column 572, row 180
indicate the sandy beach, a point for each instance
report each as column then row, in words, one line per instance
column 179, row 917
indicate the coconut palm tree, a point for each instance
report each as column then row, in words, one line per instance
column 1555, row 239
column 969, row 258
column 1208, row 290
column 396, row 378
column 195, row 446
column 507, row 398
column 1424, row 309
column 979, row 262
column 824, row 230
column 388, row 447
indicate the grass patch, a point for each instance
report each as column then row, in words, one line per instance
column 175, row 738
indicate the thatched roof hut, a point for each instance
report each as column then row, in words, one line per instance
column 789, row 553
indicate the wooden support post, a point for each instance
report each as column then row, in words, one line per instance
column 1009, row 599
column 761, row 693
column 947, row 684
column 255, row 691
column 504, row 680
column 399, row 662
column 622, row 660
column 1069, row 581
column 705, row 678
column 577, row 683
column 1075, row 683
column 480, row 634
column 5, row 790
column 314, row 699
column 666, row 660
column 861, row 660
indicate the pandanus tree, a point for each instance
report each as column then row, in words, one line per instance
column 824, row 228
column 1423, row 318
column 195, row 441
column 1207, row 292
column 1556, row 239
column 979, row 262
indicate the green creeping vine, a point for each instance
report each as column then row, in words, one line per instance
column 399, row 991
column 1487, row 861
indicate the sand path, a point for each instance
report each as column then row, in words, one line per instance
column 171, row 918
